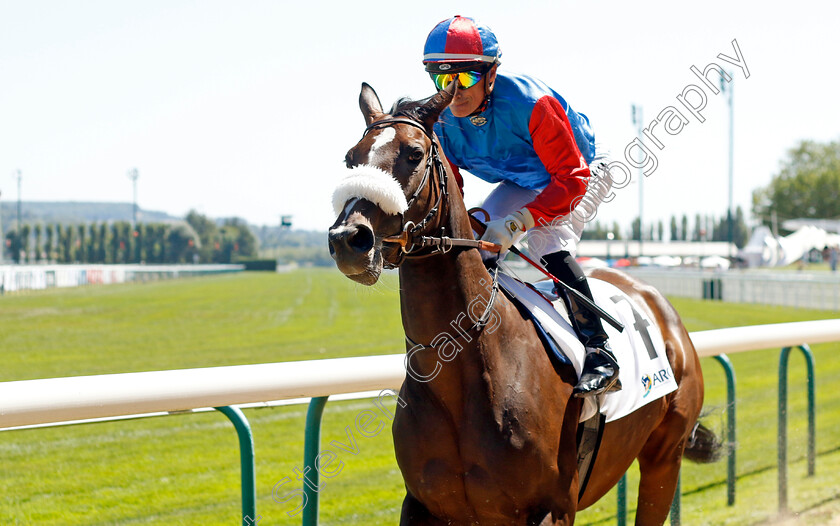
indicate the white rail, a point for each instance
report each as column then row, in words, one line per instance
column 31, row 402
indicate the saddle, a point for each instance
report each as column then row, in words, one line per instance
column 645, row 372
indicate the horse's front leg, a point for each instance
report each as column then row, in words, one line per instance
column 414, row 513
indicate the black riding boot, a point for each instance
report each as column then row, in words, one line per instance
column 600, row 368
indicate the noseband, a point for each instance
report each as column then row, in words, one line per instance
column 411, row 242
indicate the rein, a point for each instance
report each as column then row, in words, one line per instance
column 410, row 239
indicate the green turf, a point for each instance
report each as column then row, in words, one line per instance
column 184, row 469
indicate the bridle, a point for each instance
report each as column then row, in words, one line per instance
column 413, row 244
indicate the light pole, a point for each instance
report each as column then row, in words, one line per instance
column 133, row 175
column 610, row 237
column 730, row 216
column 638, row 120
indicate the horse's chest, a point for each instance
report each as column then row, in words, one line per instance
column 472, row 464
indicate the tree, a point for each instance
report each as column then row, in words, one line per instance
column 616, row 230
column 636, row 230
column 24, row 243
column 182, row 242
column 38, row 242
column 660, row 229
column 207, row 232
column 139, row 243
column 81, row 245
column 741, row 234
column 60, row 245
column 102, row 245
column 684, row 231
column 245, row 244
column 69, row 252
column 13, row 245
column 675, row 235
column 93, row 234
column 807, row 185
column 49, row 243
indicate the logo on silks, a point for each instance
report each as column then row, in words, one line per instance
column 647, row 384
column 478, row 120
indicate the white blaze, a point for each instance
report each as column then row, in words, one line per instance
column 385, row 136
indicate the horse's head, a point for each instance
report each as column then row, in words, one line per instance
column 391, row 183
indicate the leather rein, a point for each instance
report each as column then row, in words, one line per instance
column 411, row 239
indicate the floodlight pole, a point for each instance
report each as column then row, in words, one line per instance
column 638, row 120
column 730, row 216
column 133, row 175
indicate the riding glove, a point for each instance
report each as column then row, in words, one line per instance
column 509, row 229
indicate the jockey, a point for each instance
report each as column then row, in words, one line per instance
column 516, row 131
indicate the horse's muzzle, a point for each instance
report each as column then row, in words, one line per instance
column 351, row 246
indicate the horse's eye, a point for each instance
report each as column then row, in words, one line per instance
column 416, row 155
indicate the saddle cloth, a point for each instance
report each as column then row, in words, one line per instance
column 645, row 373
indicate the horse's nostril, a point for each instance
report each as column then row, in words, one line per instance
column 362, row 239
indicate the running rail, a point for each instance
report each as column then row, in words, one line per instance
column 30, row 402
column 89, row 398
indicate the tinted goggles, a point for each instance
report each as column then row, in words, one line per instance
column 466, row 79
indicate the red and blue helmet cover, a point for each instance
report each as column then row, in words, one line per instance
column 458, row 42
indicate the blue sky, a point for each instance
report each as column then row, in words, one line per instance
column 247, row 108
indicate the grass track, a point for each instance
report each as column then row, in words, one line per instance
column 184, row 469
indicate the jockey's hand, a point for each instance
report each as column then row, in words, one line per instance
column 509, row 229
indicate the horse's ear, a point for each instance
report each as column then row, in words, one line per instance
column 434, row 105
column 369, row 104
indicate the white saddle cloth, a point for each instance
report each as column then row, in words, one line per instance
column 645, row 373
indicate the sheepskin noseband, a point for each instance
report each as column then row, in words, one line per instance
column 375, row 185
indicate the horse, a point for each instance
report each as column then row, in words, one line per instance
column 485, row 429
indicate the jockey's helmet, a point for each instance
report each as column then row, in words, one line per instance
column 460, row 44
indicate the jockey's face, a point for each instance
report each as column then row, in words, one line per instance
column 466, row 101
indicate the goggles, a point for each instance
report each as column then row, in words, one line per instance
column 466, row 79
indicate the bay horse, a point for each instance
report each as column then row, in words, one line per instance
column 485, row 426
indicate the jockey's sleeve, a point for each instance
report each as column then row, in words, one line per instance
column 554, row 143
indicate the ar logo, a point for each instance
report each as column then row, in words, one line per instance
column 647, row 385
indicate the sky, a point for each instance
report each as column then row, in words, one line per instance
column 247, row 108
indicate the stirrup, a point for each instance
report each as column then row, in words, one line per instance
column 597, row 375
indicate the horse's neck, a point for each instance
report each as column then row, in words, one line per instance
column 441, row 298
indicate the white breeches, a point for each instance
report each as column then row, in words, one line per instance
column 564, row 232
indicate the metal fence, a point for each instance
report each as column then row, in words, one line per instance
column 16, row 278
column 789, row 289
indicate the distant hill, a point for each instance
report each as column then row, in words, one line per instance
column 69, row 212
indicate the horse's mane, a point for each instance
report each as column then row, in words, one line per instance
column 412, row 109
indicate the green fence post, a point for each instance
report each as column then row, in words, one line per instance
column 731, row 475
column 246, row 461
column 812, row 409
column 675, row 504
column 621, row 512
column 311, row 446
column 782, row 433
column 782, row 417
